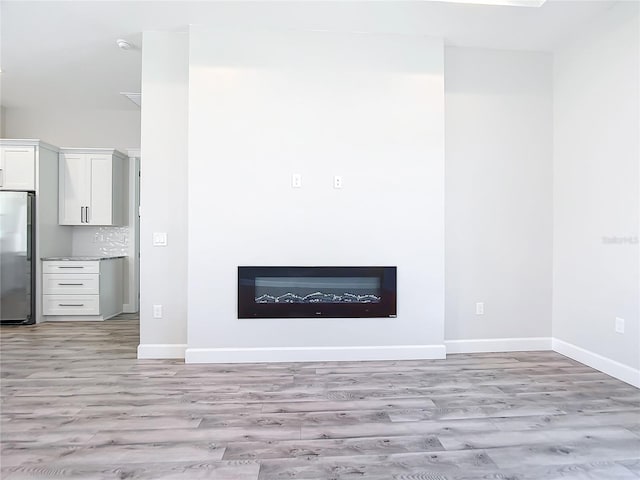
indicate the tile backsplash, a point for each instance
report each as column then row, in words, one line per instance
column 101, row 240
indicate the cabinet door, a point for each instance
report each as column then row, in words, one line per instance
column 101, row 190
column 17, row 168
column 74, row 189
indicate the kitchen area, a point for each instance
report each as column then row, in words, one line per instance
column 69, row 232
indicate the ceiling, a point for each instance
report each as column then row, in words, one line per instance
column 64, row 53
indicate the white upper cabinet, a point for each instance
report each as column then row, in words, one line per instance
column 17, row 168
column 74, row 188
column 91, row 187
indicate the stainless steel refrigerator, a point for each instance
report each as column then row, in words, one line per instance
column 17, row 265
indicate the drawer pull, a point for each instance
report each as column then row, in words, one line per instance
column 72, row 284
column 71, row 304
column 69, row 267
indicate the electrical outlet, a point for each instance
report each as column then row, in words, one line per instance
column 619, row 325
column 337, row 181
column 296, row 180
column 157, row 311
column 480, row 308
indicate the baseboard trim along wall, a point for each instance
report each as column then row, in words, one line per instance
column 161, row 350
column 603, row 364
column 498, row 345
column 129, row 308
column 594, row 360
column 394, row 352
column 314, row 354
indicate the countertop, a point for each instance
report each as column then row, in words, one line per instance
column 82, row 259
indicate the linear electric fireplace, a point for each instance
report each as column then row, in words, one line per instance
column 304, row 292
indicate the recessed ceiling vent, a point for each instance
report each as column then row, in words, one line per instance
column 134, row 97
column 504, row 3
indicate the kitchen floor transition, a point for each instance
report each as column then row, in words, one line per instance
column 77, row 404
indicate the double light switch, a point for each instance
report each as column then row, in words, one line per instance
column 159, row 239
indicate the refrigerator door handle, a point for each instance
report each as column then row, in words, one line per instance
column 86, row 214
column 30, row 230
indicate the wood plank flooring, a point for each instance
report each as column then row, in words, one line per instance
column 75, row 403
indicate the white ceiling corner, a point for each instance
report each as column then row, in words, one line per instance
column 64, row 53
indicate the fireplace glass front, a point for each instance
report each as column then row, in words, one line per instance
column 281, row 292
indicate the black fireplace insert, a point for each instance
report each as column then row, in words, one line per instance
column 305, row 292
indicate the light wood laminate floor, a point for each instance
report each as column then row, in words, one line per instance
column 77, row 404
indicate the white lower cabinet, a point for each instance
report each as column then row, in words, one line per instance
column 71, row 267
column 71, row 284
column 72, row 305
column 81, row 289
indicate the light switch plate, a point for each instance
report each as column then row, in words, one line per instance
column 159, row 239
column 619, row 325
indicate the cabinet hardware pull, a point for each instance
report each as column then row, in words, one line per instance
column 86, row 214
column 61, row 266
column 73, row 284
column 71, row 304
column 81, row 214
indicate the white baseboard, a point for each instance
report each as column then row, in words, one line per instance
column 394, row 352
column 314, row 354
column 161, row 350
column 129, row 308
column 75, row 318
column 594, row 360
column 526, row 344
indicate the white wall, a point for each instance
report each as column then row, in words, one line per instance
column 250, row 130
column 498, row 197
column 76, row 128
column 2, row 122
column 597, row 192
column 163, row 194
column 364, row 106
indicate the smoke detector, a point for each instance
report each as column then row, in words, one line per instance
column 123, row 44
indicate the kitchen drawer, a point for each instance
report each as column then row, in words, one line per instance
column 71, row 284
column 71, row 304
column 71, row 267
